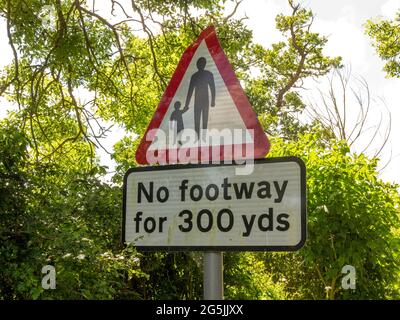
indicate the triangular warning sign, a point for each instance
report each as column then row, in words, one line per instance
column 204, row 114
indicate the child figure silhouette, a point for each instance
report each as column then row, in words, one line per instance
column 177, row 120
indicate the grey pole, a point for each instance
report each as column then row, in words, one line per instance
column 213, row 283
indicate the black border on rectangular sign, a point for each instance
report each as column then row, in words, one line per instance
column 224, row 248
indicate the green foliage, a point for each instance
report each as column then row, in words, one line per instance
column 353, row 219
column 171, row 276
column 385, row 35
column 13, row 194
column 246, row 277
column 57, row 215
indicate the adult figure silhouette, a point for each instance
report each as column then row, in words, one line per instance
column 200, row 81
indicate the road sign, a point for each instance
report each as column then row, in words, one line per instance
column 210, row 208
column 204, row 112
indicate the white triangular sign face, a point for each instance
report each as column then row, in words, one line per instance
column 204, row 109
column 223, row 111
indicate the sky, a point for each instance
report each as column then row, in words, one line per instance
column 342, row 22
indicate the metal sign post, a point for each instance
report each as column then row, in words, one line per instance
column 213, row 281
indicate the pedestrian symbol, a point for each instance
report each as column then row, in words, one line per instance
column 200, row 82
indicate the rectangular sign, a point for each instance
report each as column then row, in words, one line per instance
column 209, row 207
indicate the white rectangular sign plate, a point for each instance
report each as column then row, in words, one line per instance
column 210, row 208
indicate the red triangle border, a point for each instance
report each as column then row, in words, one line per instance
column 261, row 142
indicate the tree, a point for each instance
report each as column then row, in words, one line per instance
column 122, row 72
column 284, row 67
column 385, row 35
column 353, row 219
